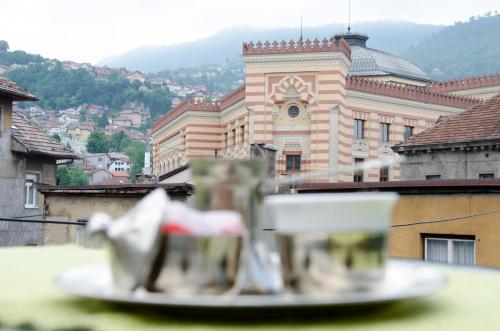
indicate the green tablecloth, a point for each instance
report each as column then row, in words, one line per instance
column 28, row 298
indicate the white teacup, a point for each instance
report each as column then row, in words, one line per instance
column 332, row 242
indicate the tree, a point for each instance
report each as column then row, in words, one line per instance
column 71, row 176
column 97, row 143
column 56, row 137
column 119, row 141
column 4, row 46
column 102, row 121
column 84, row 114
column 135, row 151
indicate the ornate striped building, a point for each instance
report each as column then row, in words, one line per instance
column 322, row 104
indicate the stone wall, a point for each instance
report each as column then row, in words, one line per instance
column 80, row 206
column 451, row 164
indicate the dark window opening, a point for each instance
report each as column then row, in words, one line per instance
column 384, row 132
column 408, row 132
column 293, row 163
column 384, row 174
column 359, row 129
column 358, row 174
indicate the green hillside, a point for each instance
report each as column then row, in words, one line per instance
column 464, row 49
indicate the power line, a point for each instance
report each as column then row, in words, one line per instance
column 459, row 218
column 17, row 220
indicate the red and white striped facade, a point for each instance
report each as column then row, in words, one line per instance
column 313, row 77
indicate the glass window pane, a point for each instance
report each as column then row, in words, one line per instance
column 297, row 162
column 463, row 252
column 289, row 162
column 436, row 250
column 31, row 196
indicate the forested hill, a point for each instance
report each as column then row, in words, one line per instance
column 390, row 36
column 59, row 87
column 464, row 49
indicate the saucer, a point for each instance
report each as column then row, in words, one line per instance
column 403, row 280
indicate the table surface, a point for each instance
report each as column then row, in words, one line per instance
column 29, row 300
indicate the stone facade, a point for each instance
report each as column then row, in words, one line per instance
column 74, row 204
column 448, row 164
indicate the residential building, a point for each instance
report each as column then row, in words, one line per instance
column 80, row 131
column 97, row 160
column 28, row 157
column 136, row 117
column 122, row 121
column 99, row 175
column 119, row 162
column 322, row 104
column 136, row 75
column 440, row 221
column 464, row 146
column 118, row 177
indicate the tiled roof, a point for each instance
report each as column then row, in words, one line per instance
column 34, row 140
column 10, row 89
column 119, row 173
column 479, row 123
column 115, row 155
column 114, row 181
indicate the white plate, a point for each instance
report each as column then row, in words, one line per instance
column 404, row 280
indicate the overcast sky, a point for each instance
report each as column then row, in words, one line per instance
column 89, row 30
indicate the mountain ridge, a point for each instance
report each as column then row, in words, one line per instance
column 391, row 36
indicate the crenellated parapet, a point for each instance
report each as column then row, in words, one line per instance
column 465, row 83
column 307, row 46
column 410, row 92
column 184, row 106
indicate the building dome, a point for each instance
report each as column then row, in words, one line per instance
column 371, row 62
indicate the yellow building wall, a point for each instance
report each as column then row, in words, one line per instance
column 407, row 242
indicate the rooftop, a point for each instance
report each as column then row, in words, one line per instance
column 31, row 140
column 10, row 89
column 119, row 156
column 115, row 190
column 410, row 92
column 114, row 181
column 465, row 83
column 119, row 173
column 479, row 123
column 409, row 187
column 371, row 62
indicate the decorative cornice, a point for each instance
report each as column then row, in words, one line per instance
column 297, row 47
column 296, row 59
column 403, row 91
